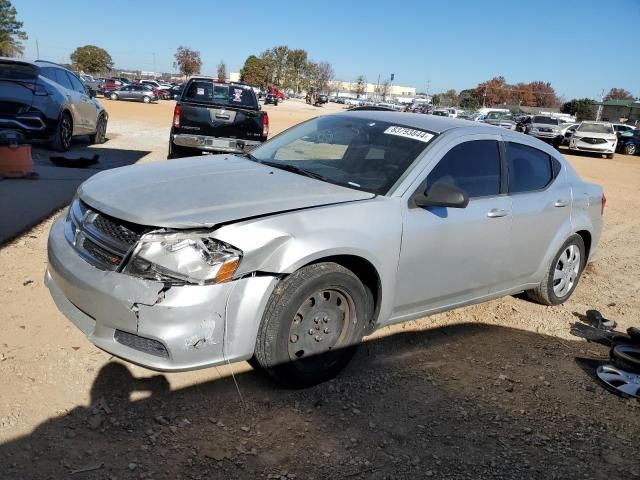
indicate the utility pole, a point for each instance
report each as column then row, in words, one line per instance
column 37, row 50
column 154, row 64
column 377, row 88
column 599, row 113
column 484, row 97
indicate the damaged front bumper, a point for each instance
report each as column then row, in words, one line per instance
column 165, row 328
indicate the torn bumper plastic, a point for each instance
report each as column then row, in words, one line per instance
column 172, row 328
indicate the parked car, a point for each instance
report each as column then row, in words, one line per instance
column 47, row 102
column 176, row 91
column 543, row 127
column 140, row 93
column 340, row 100
column 108, row 85
column 289, row 255
column 566, row 130
column 321, row 98
column 89, row 82
column 631, row 144
column 500, row 119
column 155, row 84
column 440, row 113
column 270, row 99
column 595, row 137
column 214, row 116
column 123, row 80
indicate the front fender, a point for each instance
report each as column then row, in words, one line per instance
column 281, row 244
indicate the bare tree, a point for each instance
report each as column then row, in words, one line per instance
column 360, row 85
column 382, row 89
column 222, row 70
column 323, row 75
column 187, row 61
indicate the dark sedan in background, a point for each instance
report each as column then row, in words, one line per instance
column 141, row 93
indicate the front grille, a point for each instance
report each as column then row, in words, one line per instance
column 118, row 231
column 102, row 240
column 142, row 344
column 594, row 141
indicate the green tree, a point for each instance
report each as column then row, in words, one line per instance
column 583, row 108
column 222, row 70
column 295, row 66
column 91, row 59
column 187, row 61
column 11, row 32
column 254, row 72
column 468, row 99
column 435, row 100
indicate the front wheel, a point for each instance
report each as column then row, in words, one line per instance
column 609, row 155
column 146, row 99
column 101, row 131
column 630, row 149
column 312, row 324
column 563, row 273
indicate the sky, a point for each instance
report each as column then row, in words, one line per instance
column 581, row 47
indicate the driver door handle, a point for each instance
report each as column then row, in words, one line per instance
column 561, row 203
column 497, row 213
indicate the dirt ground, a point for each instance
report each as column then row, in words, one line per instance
column 498, row 390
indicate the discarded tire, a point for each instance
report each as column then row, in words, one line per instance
column 626, row 357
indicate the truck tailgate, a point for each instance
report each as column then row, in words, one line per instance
column 217, row 121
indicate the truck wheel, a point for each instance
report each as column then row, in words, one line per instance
column 312, row 324
column 64, row 133
column 563, row 273
column 176, row 151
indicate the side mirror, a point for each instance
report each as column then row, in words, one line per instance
column 442, row 194
column 91, row 92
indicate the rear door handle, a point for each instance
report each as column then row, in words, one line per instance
column 497, row 213
column 561, row 203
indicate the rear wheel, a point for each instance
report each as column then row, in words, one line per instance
column 176, row 151
column 630, row 149
column 146, row 99
column 312, row 324
column 563, row 273
column 64, row 132
column 113, row 96
column 101, row 131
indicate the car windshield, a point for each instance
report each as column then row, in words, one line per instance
column 594, row 128
column 351, row 151
column 545, row 120
column 233, row 95
column 499, row 116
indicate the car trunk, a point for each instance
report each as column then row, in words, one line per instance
column 18, row 82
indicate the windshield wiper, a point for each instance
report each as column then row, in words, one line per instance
column 292, row 168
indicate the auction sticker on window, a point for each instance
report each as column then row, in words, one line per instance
column 414, row 134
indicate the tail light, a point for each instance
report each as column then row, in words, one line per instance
column 604, row 204
column 265, row 125
column 176, row 116
column 36, row 88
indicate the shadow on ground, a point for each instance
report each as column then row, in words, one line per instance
column 25, row 203
column 467, row 401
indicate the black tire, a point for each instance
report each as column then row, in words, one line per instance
column 630, row 149
column 61, row 141
column 544, row 293
column 609, row 155
column 626, row 357
column 297, row 360
column 176, row 151
column 101, row 131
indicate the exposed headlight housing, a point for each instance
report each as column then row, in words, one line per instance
column 181, row 258
column 533, row 129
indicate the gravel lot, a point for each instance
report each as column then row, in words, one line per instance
column 489, row 391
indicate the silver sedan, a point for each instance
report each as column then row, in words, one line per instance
column 290, row 254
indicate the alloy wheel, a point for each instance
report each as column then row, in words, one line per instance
column 65, row 132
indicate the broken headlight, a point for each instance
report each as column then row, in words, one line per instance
column 183, row 258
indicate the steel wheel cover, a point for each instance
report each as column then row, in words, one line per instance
column 624, row 382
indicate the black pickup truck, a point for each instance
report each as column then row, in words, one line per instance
column 214, row 116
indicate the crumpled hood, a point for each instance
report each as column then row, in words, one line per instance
column 206, row 191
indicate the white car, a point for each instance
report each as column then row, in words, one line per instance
column 596, row 137
column 155, row 84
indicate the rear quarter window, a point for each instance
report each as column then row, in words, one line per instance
column 530, row 169
column 17, row 71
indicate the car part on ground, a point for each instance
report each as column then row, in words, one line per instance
column 46, row 102
column 596, row 318
column 626, row 356
column 80, row 162
column 209, row 261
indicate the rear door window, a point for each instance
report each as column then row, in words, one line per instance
column 206, row 91
column 75, row 83
column 530, row 169
column 62, row 78
column 471, row 166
